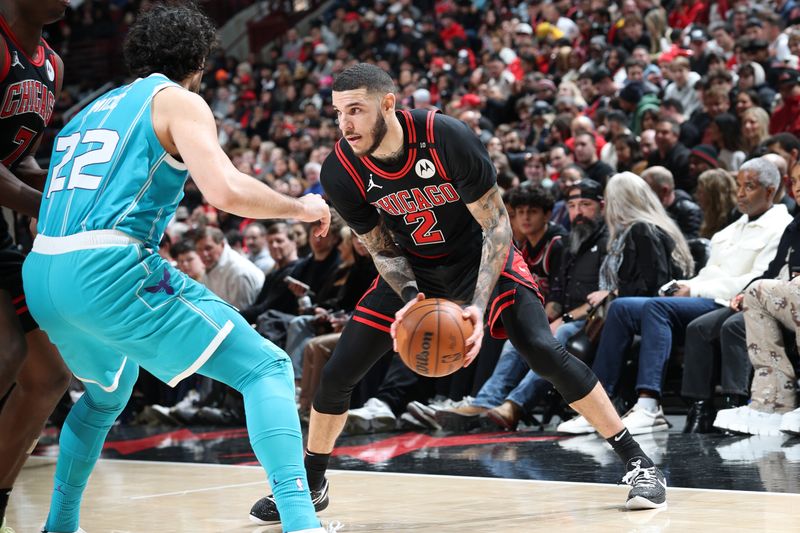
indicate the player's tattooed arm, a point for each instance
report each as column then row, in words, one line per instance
column 390, row 262
column 491, row 214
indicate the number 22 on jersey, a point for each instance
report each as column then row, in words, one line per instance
column 101, row 142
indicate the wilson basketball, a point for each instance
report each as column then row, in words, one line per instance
column 431, row 338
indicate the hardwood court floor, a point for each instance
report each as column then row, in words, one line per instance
column 139, row 496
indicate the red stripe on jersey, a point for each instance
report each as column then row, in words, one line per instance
column 438, row 256
column 22, row 310
column 434, row 154
column 40, row 52
column 349, row 168
column 369, row 290
column 412, row 157
column 375, row 314
column 412, row 153
column 18, row 299
column 372, row 324
column 412, row 131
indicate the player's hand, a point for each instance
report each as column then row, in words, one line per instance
column 473, row 344
column 398, row 316
column 315, row 208
column 736, row 302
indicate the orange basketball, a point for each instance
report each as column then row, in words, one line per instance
column 432, row 336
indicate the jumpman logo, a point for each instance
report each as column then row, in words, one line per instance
column 16, row 62
column 163, row 285
column 372, row 185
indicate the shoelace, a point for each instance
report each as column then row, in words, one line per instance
column 640, row 477
column 334, row 526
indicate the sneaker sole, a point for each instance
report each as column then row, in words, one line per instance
column 423, row 417
column 456, row 422
column 649, row 429
column 499, row 421
column 638, row 503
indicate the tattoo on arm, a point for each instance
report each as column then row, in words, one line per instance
column 392, row 265
column 491, row 214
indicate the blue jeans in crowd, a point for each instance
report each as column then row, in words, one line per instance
column 657, row 320
column 513, row 379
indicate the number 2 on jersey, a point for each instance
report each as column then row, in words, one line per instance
column 424, row 232
column 77, row 179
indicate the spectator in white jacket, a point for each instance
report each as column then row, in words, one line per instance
column 739, row 253
column 229, row 275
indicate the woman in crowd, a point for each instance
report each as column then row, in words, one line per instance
column 755, row 128
column 724, row 131
column 716, row 196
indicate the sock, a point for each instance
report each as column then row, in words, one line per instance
column 627, row 448
column 316, row 465
column 648, row 404
column 4, row 494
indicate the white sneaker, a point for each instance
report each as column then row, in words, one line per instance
column 790, row 422
column 639, row 420
column 375, row 416
column 576, row 426
column 744, row 419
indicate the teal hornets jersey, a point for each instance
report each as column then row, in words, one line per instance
column 108, row 170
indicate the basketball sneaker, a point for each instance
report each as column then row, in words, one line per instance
column 576, row 426
column 79, row 530
column 640, row 420
column 375, row 417
column 5, row 528
column 265, row 510
column 649, row 488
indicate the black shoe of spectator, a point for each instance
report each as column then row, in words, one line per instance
column 700, row 418
column 731, row 401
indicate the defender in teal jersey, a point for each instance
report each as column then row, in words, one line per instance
column 111, row 304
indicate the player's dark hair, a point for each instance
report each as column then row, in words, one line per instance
column 532, row 197
column 171, row 39
column 364, row 76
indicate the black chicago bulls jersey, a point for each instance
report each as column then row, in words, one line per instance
column 27, row 97
column 423, row 198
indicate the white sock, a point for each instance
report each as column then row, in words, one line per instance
column 648, row 404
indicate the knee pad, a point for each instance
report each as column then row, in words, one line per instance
column 568, row 374
column 335, row 388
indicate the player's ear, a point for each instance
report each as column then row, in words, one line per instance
column 388, row 103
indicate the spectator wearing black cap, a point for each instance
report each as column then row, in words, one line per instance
column 671, row 153
column 787, row 116
column 701, row 158
column 698, row 40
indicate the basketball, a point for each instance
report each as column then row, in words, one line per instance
column 431, row 338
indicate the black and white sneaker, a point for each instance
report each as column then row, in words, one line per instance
column 649, row 486
column 265, row 510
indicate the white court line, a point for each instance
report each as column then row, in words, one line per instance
column 190, row 491
column 445, row 476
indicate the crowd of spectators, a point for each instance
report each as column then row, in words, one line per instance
column 688, row 109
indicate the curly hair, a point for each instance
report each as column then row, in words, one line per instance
column 171, row 39
column 535, row 196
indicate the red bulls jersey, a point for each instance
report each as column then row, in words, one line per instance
column 27, row 97
column 422, row 198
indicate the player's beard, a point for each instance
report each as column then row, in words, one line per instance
column 582, row 229
column 378, row 132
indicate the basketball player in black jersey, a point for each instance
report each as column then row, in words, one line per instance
column 419, row 189
column 30, row 80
